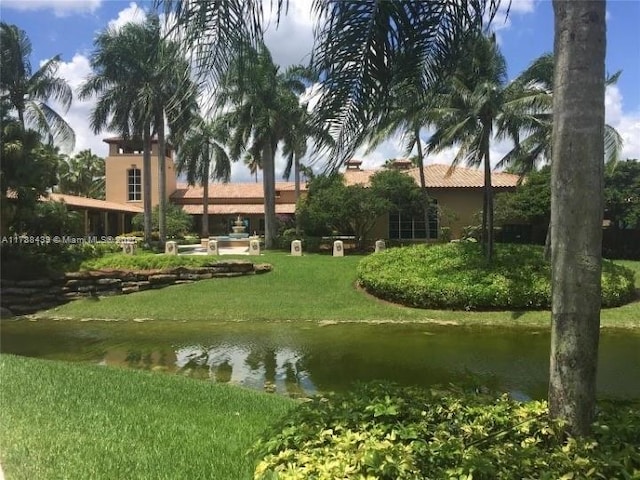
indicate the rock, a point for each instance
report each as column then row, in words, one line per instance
column 189, row 276
column 262, row 267
column 162, row 278
column 5, row 313
column 87, row 289
column 109, row 281
column 182, row 282
column 77, row 283
column 72, row 295
column 84, row 275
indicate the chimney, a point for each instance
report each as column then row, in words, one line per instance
column 402, row 164
column 354, row 164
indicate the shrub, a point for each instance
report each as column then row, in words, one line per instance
column 145, row 261
column 457, row 276
column 380, row 431
column 178, row 221
column 32, row 261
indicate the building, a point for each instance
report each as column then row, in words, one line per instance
column 458, row 194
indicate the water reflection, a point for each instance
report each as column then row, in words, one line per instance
column 264, row 367
column 304, row 359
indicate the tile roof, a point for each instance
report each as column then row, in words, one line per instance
column 440, row 176
column 84, row 202
column 229, row 190
column 238, row 208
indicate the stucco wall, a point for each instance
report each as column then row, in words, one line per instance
column 458, row 208
column 116, row 174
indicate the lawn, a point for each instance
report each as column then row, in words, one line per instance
column 62, row 420
column 310, row 288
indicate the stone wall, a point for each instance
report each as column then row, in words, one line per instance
column 19, row 297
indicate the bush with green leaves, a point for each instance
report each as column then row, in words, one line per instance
column 146, row 261
column 179, row 223
column 457, row 276
column 33, row 261
column 381, row 431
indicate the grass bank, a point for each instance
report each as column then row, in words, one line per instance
column 315, row 288
column 60, row 420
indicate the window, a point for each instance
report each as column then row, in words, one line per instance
column 134, row 184
column 408, row 226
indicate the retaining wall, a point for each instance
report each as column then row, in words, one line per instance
column 19, row 297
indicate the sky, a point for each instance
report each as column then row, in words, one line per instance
column 68, row 28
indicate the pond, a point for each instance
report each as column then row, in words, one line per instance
column 306, row 358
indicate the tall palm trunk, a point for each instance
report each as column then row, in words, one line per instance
column 205, row 193
column 296, row 179
column 487, row 212
column 269, row 185
column 146, row 182
column 576, row 209
column 423, row 186
column 162, row 182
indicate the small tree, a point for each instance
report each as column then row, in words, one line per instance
column 83, row 174
column 178, row 221
column 331, row 206
column 399, row 189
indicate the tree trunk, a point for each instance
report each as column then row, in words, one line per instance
column 547, row 245
column 205, row 195
column 296, row 179
column 423, row 185
column 146, row 183
column 162, row 182
column 576, row 209
column 487, row 213
column 269, row 185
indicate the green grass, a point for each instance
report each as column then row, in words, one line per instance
column 60, row 420
column 316, row 288
column 456, row 275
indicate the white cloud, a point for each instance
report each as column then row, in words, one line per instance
column 520, row 6
column 291, row 40
column 627, row 124
column 61, row 8
column 75, row 73
column 132, row 13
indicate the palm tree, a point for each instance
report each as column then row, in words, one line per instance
column 365, row 50
column 139, row 78
column 469, row 108
column 530, row 109
column 577, row 209
column 83, row 174
column 29, row 93
column 406, row 114
column 253, row 164
column 357, row 50
column 262, row 103
column 295, row 145
column 174, row 100
column 203, row 145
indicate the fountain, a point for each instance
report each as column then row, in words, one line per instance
column 239, row 229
